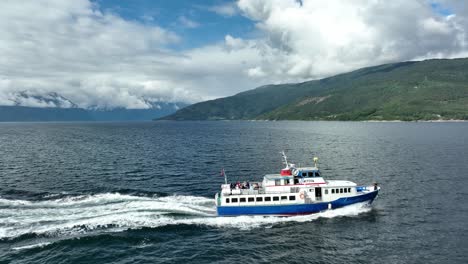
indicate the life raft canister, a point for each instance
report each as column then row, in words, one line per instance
column 286, row 172
column 301, row 195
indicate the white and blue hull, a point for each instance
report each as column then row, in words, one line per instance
column 296, row 209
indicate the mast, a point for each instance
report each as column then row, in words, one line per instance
column 223, row 173
column 285, row 159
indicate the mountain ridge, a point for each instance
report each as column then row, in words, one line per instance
column 435, row 89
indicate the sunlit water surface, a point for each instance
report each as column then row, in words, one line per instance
column 143, row 192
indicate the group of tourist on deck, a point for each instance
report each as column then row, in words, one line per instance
column 245, row 185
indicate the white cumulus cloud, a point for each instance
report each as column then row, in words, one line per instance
column 321, row 38
column 95, row 59
column 98, row 59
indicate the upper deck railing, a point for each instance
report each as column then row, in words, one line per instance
column 260, row 190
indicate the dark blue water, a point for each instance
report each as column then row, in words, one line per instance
column 143, row 192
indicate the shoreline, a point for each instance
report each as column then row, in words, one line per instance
column 421, row 121
column 364, row 121
column 247, row 120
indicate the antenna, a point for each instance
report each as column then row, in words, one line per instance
column 285, row 159
column 223, row 173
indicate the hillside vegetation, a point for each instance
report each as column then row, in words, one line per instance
column 424, row 90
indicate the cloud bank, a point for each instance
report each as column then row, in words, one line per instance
column 320, row 38
column 98, row 59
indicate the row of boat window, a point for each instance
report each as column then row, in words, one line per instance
column 341, row 190
column 277, row 198
column 287, row 182
column 310, row 174
column 261, row 199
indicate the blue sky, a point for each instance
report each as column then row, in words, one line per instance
column 209, row 27
column 441, row 9
column 126, row 53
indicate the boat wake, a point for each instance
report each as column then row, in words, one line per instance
column 113, row 212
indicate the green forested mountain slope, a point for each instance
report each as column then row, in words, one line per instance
column 425, row 90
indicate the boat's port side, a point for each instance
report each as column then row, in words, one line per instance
column 293, row 209
column 304, row 195
column 265, row 199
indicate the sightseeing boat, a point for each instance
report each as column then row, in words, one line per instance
column 294, row 191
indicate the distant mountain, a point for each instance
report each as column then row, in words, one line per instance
column 23, row 113
column 415, row 90
column 122, row 114
column 54, row 107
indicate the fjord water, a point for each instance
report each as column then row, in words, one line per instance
column 143, row 192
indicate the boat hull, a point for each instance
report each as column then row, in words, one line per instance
column 295, row 209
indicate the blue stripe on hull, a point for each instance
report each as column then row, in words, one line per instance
column 296, row 209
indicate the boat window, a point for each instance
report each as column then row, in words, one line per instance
column 284, row 198
column 349, row 190
column 259, row 199
column 286, row 182
column 227, row 200
column 292, row 198
column 250, row 199
column 317, row 174
column 267, row 199
column 326, row 191
column 304, row 174
column 333, row 190
column 345, row 190
column 277, row 182
column 275, row 198
column 341, row 190
column 234, row 200
column 296, row 181
column 242, row 200
column 310, row 174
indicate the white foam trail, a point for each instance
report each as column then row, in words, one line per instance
column 113, row 212
column 81, row 214
column 38, row 245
